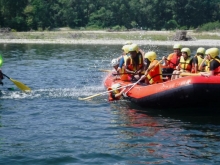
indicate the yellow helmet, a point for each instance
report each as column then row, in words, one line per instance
column 125, row 48
column 177, row 46
column 213, row 52
column 128, row 43
column 133, row 47
column 201, row 50
column 187, row 50
column 116, row 86
column 150, row 56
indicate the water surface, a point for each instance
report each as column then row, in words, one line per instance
column 51, row 126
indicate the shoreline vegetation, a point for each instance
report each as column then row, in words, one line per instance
column 66, row 36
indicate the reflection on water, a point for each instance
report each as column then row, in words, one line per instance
column 149, row 134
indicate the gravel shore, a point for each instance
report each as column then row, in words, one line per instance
column 60, row 38
column 213, row 43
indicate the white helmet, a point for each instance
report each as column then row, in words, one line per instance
column 116, row 86
column 114, row 62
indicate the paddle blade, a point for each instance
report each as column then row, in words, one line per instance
column 20, row 85
column 103, row 70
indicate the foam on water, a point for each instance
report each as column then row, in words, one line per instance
column 54, row 93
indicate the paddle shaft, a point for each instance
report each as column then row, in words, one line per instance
column 86, row 98
column 5, row 75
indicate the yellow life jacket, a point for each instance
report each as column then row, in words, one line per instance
column 217, row 70
column 185, row 64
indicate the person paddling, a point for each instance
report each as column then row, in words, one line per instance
column 116, row 93
column 134, row 65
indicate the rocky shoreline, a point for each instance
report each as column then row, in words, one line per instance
column 213, row 43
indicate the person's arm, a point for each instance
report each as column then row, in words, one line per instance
column 165, row 61
column 120, row 93
column 121, row 62
column 202, row 64
column 195, row 63
column 142, row 52
column 213, row 65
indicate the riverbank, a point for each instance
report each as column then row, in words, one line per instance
column 108, row 38
column 215, row 43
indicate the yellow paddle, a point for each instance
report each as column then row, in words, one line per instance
column 19, row 84
column 190, row 74
column 103, row 70
column 86, row 98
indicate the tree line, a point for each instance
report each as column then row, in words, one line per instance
column 25, row 15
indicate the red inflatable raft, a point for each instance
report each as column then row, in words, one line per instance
column 187, row 91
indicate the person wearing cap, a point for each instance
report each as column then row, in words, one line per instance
column 134, row 64
column 197, row 60
column 153, row 70
column 213, row 62
column 115, row 92
column 172, row 60
column 185, row 64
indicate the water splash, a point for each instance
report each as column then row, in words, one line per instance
column 54, row 93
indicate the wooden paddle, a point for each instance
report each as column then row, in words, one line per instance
column 103, row 70
column 19, row 84
column 189, row 74
column 98, row 94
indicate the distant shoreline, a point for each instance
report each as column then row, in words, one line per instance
column 208, row 43
column 106, row 38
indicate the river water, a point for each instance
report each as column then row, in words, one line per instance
column 51, row 125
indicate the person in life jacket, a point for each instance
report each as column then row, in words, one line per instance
column 172, row 60
column 115, row 92
column 134, row 64
column 185, row 64
column 153, row 70
column 126, row 54
column 213, row 62
column 197, row 60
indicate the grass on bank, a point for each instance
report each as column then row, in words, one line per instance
column 92, row 35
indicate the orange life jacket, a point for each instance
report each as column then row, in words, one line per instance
column 134, row 67
column 155, row 74
column 124, row 76
column 173, row 60
column 110, row 96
